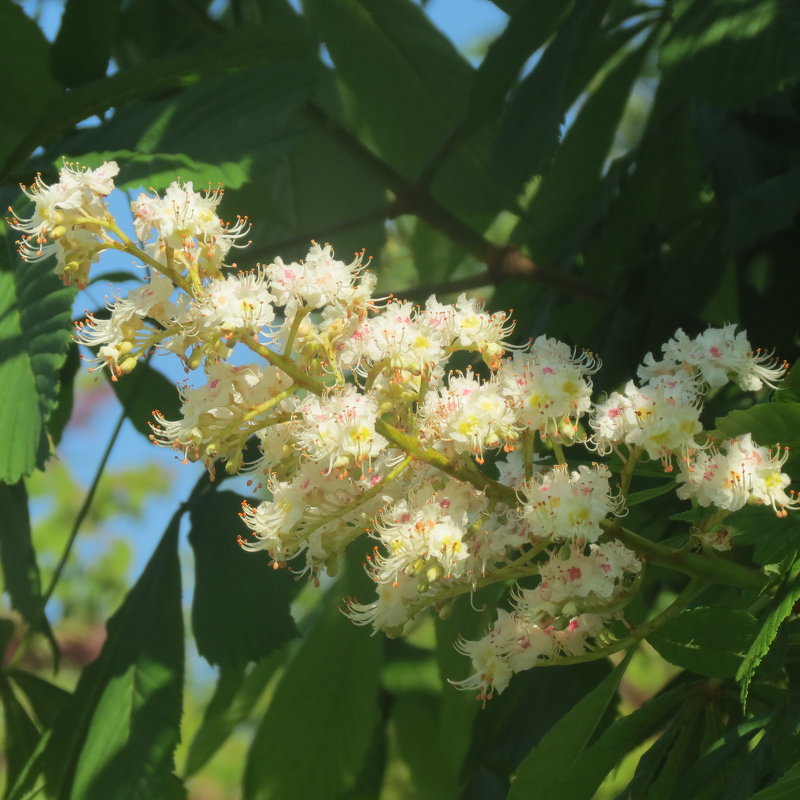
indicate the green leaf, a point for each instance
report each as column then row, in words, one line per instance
column 530, row 129
column 35, row 333
column 788, row 390
column 253, row 47
column 7, row 629
column 234, row 702
column 116, row 735
column 434, row 726
column 402, row 55
column 717, row 765
column 643, row 496
column 78, row 54
column 208, row 133
column 530, row 26
column 709, row 641
column 21, row 734
column 45, row 698
column 136, row 688
column 626, row 733
column 144, row 391
column 240, row 610
column 370, row 781
column 545, row 768
column 769, row 423
column 435, row 255
column 680, row 753
column 785, row 788
column 66, row 390
column 294, row 206
column 733, row 51
column 459, row 711
column 763, row 209
column 415, row 723
column 20, row 570
column 773, row 538
column 766, row 636
column 326, row 704
column 570, row 194
column 25, row 52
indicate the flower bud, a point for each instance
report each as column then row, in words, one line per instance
column 128, row 364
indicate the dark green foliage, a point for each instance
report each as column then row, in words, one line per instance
column 326, row 704
column 709, row 641
column 18, row 559
column 641, row 163
column 116, row 735
column 240, row 611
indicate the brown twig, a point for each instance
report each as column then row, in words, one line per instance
column 414, row 197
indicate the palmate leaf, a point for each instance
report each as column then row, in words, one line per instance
column 530, row 26
column 770, row 424
column 401, row 55
column 786, row 788
column 531, row 126
column 143, row 391
column 115, row 736
column 515, row 722
column 318, row 190
column 35, row 333
column 594, row 763
column 569, row 196
column 234, row 701
column 214, row 131
column 45, row 698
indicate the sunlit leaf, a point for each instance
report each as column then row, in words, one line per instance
column 733, row 51
column 35, row 332
column 326, row 704
column 547, row 765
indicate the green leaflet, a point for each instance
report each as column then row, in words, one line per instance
column 545, row 768
column 326, row 704
column 240, row 609
column 115, row 737
column 35, row 331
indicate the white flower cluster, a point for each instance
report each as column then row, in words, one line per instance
column 743, row 474
column 567, row 614
column 362, row 428
column 66, row 220
column 662, row 416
